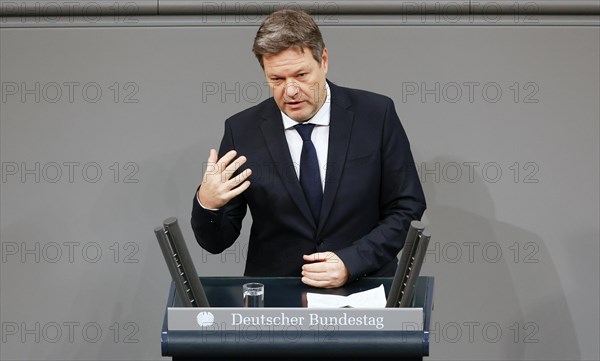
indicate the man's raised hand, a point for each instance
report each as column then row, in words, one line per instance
column 218, row 187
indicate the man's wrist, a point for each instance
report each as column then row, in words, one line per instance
column 202, row 205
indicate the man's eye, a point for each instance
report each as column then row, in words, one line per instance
column 302, row 75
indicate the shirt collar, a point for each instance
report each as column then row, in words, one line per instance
column 321, row 118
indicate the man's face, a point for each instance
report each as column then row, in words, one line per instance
column 297, row 82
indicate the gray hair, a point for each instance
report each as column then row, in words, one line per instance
column 285, row 29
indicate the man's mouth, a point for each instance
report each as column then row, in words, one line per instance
column 295, row 103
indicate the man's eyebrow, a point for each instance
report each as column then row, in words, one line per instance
column 303, row 69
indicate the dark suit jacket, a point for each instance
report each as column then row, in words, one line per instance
column 372, row 190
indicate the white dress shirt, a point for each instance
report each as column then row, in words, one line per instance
column 319, row 137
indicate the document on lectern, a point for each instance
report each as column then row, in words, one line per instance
column 373, row 298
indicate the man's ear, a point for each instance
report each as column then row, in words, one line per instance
column 324, row 60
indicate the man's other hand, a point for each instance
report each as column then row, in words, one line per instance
column 217, row 186
column 327, row 270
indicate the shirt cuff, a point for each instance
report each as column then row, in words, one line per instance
column 202, row 205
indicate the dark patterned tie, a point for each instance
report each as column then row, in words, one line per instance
column 310, row 178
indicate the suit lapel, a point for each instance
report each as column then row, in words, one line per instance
column 273, row 133
column 340, row 128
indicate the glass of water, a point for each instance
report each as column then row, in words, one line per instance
column 254, row 295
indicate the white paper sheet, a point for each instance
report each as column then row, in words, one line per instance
column 373, row 298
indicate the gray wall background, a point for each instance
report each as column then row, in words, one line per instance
column 504, row 123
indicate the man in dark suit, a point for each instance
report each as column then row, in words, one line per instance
column 326, row 171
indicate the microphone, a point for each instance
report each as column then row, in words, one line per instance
column 180, row 264
column 411, row 260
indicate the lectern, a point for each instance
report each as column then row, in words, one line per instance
column 290, row 331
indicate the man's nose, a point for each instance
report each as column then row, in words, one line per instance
column 291, row 90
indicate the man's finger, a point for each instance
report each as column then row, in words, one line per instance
column 238, row 190
column 235, row 181
column 320, row 256
column 313, row 283
column 233, row 166
column 315, row 257
column 316, row 276
column 211, row 167
column 238, row 179
column 225, row 160
column 213, row 156
column 316, row 267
